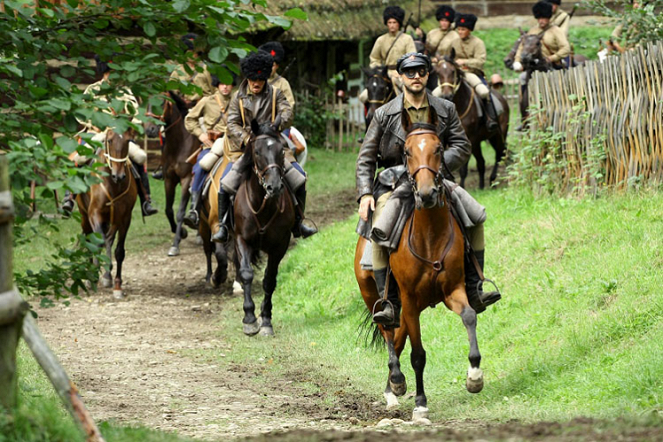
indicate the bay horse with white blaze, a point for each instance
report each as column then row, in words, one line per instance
column 106, row 208
column 428, row 266
column 264, row 218
column 179, row 145
column 455, row 88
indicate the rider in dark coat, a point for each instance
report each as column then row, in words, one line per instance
column 383, row 147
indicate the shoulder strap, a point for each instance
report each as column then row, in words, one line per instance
column 392, row 46
column 241, row 110
column 223, row 111
column 273, row 104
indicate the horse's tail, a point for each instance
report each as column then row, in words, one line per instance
column 369, row 332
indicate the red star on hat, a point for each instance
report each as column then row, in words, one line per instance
column 273, row 52
column 462, row 20
column 446, row 14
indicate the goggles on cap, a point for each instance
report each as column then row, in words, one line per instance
column 412, row 72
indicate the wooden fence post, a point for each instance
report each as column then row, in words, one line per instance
column 12, row 307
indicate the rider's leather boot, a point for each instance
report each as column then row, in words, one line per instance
column 68, row 203
column 143, row 184
column 389, row 316
column 491, row 114
column 191, row 218
column 301, row 230
column 224, row 205
column 474, row 287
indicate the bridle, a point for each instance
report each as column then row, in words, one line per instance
column 436, row 173
column 110, row 158
column 388, row 86
column 261, row 173
column 162, row 117
column 457, row 78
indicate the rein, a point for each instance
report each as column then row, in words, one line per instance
column 256, row 213
column 112, row 200
column 438, row 265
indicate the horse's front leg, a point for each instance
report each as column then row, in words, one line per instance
column 98, row 227
column 221, row 272
column 418, row 359
column 119, row 258
column 243, row 250
column 269, row 285
column 396, row 384
column 180, row 231
column 463, row 174
column 170, row 185
column 481, row 162
column 457, row 302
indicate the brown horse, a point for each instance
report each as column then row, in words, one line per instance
column 180, row 144
column 428, row 266
column 106, row 207
column 456, row 89
column 264, row 218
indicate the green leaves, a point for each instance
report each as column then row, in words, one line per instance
column 296, row 13
column 218, row 54
column 150, row 29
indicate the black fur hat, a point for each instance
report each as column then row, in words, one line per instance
column 187, row 40
column 542, row 10
column 102, row 65
column 446, row 12
column 275, row 49
column 257, row 65
column 555, row 2
column 395, row 12
column 466, row 21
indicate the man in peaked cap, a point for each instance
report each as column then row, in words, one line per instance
column 254, row 100
column 560, row 18
column 389, row 47
column 276, row 51
column 469, row 53
column 439, row 39
column 383, row 147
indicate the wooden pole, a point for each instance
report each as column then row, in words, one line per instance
column 341, row 115
column 12, row 307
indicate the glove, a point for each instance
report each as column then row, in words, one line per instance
column 517, row 66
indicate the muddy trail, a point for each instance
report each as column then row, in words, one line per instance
column 140, row 360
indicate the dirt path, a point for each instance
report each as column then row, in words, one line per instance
column 140, row 361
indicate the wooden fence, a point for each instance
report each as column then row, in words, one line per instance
column 347, row 127
column 623, row 97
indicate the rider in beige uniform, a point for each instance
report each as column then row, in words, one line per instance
column 470, row 55
column 389, row 47
column 276, row 51
column 560, row 18
column 201, row 79
column 438, row 40
column 554, row 44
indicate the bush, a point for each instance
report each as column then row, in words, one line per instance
column 641, row 25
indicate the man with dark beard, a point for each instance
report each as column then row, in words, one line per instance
column 383, row 147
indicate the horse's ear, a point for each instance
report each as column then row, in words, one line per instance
column 255, row 127
column 405, row 120
column 452, row 55
column 366, row 71
column 277, row 123
column 432, row 116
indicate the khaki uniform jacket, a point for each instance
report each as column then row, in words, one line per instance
column 439, row 41
column 130, row 102
column 473, row 50
column 259, row 107
column 284, row 86
column 201, row 79
column 385, row 138
column 379, row 56
column 554, row 44
column 209, row 109
column 562, row 20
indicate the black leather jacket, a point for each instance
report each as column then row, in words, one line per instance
column 385, row 138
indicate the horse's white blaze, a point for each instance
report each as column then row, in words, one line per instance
column 422, row 145
column 474, row 374
column 444, row 65
column 392, row 400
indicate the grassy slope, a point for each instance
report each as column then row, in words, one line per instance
column 577, row 334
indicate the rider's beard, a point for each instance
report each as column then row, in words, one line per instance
column 415, row 93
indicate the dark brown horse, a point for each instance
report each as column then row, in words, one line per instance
column 180, row 144
column 380, row 90
column 264, row 217
column 106, row 207
column 428, row 266
column 456, row 89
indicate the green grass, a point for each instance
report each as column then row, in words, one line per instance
column 578, row 332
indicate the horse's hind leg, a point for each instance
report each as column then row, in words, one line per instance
column 119, row 258
column 481, row 162
column 269, row 285
column 180, row 231
column 499, row 145
column 221, row 272
column 463, row 174
column 251, row 325
column 457, row 302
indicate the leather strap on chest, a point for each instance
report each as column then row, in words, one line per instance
column 223, row 111
column 241, row 108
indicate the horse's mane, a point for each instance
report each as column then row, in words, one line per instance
column 179, row 102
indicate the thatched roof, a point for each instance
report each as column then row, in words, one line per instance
column 344, row 19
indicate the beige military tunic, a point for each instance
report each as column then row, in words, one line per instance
column 201, row 79
column 473, row 51
column 283, row 85
column 210, row 108
column 382, row 56
column 562, row 20
column 554, row 45
column 439, row 41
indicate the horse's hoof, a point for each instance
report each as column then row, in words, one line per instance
column 252, row 329
column 474, row 382
column 183, row 233
column 174, row 251
column 392, row 401
column 118, row 294
column 199, row 240
column 419, row 414
column 106, row 282
column 267, row 330
column 237, row 288
column 398, row 389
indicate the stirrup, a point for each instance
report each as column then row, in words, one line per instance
column 396, row 323
column 491, row 297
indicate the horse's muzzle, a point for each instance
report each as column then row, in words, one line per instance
column 152, row 131
column 448, row 96
column 430, row 198
column 118, row 177
column 273, row 190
